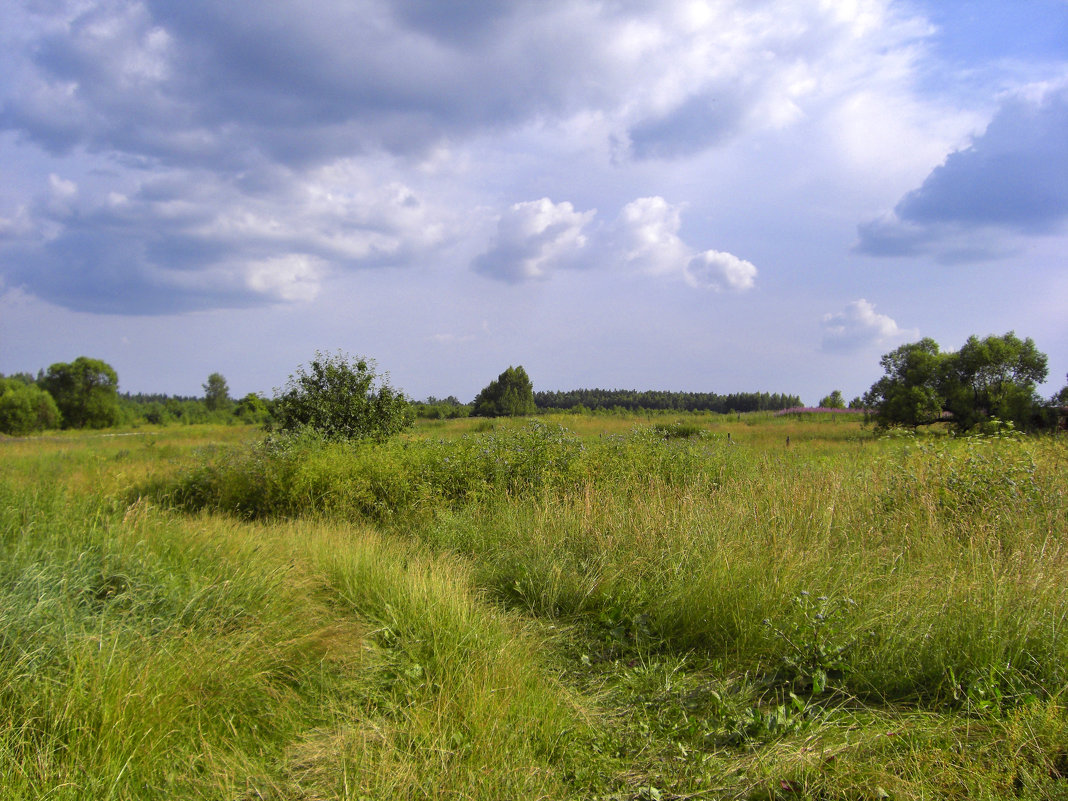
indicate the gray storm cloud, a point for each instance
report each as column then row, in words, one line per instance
column 1013, row 177
column 241, row 153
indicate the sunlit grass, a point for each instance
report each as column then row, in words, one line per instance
column 596, row 607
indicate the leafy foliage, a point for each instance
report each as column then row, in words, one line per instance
column 833, row 401
column 510, row 395
column 987, row 378
column 442, row 408
column 25, row 408
column 817, row 648
column 908, row 393
column 1061, row 398
column 341, row 399
column 86, row 391
column 994, row 377
column 216, row 393
column 252, row 409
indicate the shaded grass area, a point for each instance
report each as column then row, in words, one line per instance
column 527, row 612
column 142, row 656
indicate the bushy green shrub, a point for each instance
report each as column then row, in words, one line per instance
column 958, row 479
column 25, row 408
column 290, row 474
column 252, row 409
column 679, row 430
column 511, row 394
column 86, row 391
column 341, row 399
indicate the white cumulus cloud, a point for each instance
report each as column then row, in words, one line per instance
column 859, row 325
column 718, row 270
column 534, row 238
column 646, row 234
column 289, row 278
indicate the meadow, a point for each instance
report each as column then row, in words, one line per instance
column 574, row 606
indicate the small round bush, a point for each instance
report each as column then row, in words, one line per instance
column 341, row 398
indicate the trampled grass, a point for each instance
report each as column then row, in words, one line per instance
column 585, row 607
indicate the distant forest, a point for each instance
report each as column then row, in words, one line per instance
column 633, row 400
column 84, row 394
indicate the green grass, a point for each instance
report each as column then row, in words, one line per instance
column 584, row 607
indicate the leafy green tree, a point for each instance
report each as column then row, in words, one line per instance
column 216, row 393
column 252, row 409
column 442, row 409
column 510, row 395
column 994, row 377
column 833, row 401
column 25, row 408
column 86, row 392
column 1061, row 398
column 341, row 399
column 991, row 377
column 22, row 378
column 909, row 392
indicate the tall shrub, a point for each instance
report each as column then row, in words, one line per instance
column 25, row 408
column 341, row 398
column 510, row 395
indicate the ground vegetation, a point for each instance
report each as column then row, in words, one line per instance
column 574, row 606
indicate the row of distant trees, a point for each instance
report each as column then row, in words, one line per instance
column 512, row 394
column 991, row 379
column 633, row 400
column 85, row 394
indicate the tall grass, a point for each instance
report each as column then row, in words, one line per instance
column 141, row 660
column 144, row 656
column 538, row 611
column 950, row 554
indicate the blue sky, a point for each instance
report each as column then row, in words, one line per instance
column 685, row 195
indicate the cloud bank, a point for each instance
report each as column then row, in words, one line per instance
column 229, row 83
column 242, row 153
column 183, row 240
column 1011, row 180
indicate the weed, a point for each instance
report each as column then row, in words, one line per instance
column 679, row 430
column 991, row 692
column 817, row 643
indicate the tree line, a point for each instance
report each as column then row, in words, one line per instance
column 85, row 394
column 990, row 381
column 634, row 400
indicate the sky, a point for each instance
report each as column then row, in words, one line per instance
column 721, row 196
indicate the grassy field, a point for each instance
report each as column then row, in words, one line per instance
column 574, row 607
